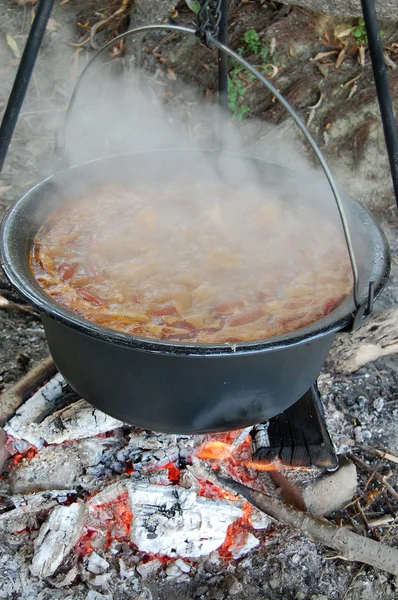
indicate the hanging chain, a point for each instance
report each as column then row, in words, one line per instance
column 208, row 20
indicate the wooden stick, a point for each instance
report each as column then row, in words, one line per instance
column 376, row 453
column 382, row 521
column 16, row 395
column 377, row 338
column 380, row 478
column 8, row 304
column 350, row 545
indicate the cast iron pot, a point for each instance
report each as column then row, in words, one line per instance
column 171, row 387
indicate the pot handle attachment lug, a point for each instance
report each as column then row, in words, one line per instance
column 364, row 307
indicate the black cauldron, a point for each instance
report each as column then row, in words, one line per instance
column 171, row 387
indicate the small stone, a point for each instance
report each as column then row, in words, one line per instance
column 274, row 582
column 300, row 596
column 362, row 401
column 233, row 585
column 358, row 435
column 97, row 564
column 332, row 491
column 149, row 568
column 378, row 404
column 201, row 591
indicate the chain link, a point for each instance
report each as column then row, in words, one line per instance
column 208, row 20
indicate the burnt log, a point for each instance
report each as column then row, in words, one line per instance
column 377, row 338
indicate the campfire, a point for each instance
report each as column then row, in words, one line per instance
column 83, row 483
column 98, row 482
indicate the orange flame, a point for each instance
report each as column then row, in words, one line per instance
column 215, row 451
column 236, row 456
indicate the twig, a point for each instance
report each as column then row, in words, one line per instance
column 366, row 522
column 387, row 501
column 380, row 478
column 353, row 581
column 382, row 521
column 376, row 453
column 349, row 545
column 9, row 305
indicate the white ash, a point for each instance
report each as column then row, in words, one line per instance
column 258, row 519
column 147, row 450
column 242, row 544
column 22, row 505
column 57, row 537
column 65, row 580
column 126, row 572
column 64, row 466
column 41, row 401
column 176, row 522
column 97, row 564
column 109, row 494
column 53, row 468
column 149, row 569
column 76, row 421
column 173, row 571
column 93, row 595
column 101, row 580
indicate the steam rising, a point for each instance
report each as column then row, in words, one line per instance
column 198, row 228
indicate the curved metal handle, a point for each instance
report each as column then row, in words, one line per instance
column 274, row 91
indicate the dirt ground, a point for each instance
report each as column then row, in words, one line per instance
column 360, row 408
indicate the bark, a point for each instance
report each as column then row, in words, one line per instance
column 377, row 338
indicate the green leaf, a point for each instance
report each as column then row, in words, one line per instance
column 357, row 32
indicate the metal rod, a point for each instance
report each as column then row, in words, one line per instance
column 223, row 58
column 382, row 88
column 23, row 76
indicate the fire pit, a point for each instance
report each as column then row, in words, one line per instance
column 152, row 491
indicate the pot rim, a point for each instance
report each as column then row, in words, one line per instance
column 335, row 321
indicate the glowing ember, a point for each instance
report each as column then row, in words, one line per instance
column 236, row 532
column 20, row 456
column 107, row 522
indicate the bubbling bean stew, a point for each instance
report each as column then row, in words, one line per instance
column 201, row 263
